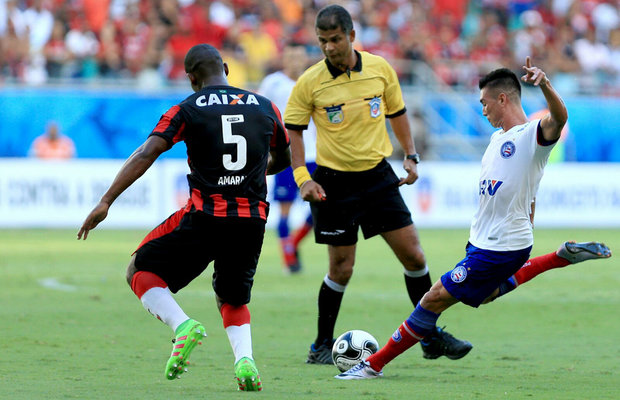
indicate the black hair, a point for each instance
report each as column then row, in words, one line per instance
column 334, row 17
column 503, row 79
column 203, row 60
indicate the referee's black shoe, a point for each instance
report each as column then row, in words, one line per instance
column 441, row 343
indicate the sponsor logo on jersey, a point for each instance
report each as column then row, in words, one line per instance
column 508, row 149
column 334, row 114
column 396, row 336
column 458, row 274
column 375, row 107
column 230, row 180
column 226, row 99
column 489, row 186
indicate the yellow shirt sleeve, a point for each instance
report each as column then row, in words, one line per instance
column 299, row 107
column 393, row 94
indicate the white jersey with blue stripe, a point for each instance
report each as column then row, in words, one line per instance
column 512, row 167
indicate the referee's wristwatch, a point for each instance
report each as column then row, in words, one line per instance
column 415, row 157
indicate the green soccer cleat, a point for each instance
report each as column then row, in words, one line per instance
column 188, row 335
column 247, row 376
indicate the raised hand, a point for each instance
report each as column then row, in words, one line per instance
column 533, row 75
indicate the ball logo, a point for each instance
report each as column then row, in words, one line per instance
column 342, row 347
column 458, row 274
column 396, row 336
column 508, row 149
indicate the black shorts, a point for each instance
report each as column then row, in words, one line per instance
column 370, row 199
column 182, row 247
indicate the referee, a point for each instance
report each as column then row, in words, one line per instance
column 349, row 95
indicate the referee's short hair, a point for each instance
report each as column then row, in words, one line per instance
column 334, row 17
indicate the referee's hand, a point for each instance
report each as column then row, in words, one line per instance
column 412, row 173
column 312, row 191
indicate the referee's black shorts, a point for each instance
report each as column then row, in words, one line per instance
column 370, row 199
column 182, row 247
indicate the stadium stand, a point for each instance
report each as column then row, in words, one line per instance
column 438, row 47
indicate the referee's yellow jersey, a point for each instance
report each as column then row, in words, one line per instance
column 349, row 111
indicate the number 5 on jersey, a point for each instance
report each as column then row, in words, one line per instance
column 238, row 140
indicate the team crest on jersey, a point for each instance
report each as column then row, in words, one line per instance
column 458, row 274
column 508, row 149
column 334, row 114
column 375, row 107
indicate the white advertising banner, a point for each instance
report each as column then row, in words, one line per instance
column 60, row 194
column 37, row 193
column 570, row 195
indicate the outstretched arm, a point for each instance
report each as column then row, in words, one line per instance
column 552, row 123
column 135, row 166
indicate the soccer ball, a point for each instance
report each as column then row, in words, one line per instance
column 352, row 347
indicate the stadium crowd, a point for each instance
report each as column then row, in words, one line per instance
column 576, row 41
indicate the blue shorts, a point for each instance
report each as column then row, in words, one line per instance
column 285, row 189
column 476, row 276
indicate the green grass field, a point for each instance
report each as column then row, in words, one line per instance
column 72, row 329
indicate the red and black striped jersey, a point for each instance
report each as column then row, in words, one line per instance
column 228, row 133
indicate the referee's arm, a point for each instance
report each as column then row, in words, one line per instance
column 309, row 190
column 402, row 131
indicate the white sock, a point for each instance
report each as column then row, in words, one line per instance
column 240, row 338
column 417, row 273
column 159, row 302
column 336, row 287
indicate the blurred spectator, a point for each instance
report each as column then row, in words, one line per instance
column 39, row 22
column 260, row 48
column 109, row 56
column 531, row 39
column 134, row 39
column 96, row 13
column 83, row 46
column 605, row 19
column 593, row 56
column 52, row 144
column 15, row 44
column 57, row 56
column 222, row 13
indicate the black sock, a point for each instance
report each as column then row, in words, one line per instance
column 329, row 305
column 417, row 287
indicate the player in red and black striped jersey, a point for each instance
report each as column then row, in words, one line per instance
column 234, row 138
column 228, row 133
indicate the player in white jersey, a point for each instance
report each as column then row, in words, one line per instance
column 502, row 221
column 277, row 87
column 501, row 233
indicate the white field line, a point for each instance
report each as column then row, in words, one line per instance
column 54, row 284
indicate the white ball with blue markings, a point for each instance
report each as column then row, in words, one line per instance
column 352, row 347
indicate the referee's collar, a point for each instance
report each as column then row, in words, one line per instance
column 336, row 72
